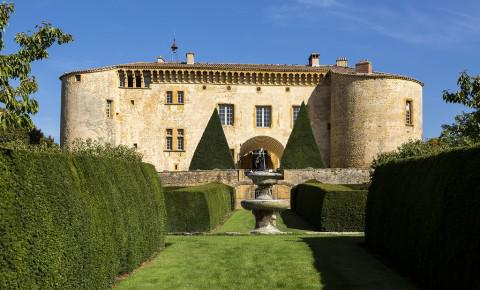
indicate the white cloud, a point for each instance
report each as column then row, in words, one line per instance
column 411, row 24
column 319, row 3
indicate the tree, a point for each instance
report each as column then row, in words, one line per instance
column 466, row 128
column 15, row 67
column 412, row 148
column 25, row 136
column 301, row 150
column 212, row 151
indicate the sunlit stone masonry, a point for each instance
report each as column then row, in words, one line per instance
column 162, row 108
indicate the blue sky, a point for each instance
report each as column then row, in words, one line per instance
column 429, row 40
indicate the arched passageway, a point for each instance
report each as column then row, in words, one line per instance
column 249, row 152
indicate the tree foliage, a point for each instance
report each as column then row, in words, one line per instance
column 16, row 67
column 302, row 149
column 412, row 148
column 466, row 128
column 25, row 136
column 212, row 151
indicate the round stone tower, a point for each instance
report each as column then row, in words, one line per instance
column 372, row 113
column 88, row 106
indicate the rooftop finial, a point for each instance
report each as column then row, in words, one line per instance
column 174, row 48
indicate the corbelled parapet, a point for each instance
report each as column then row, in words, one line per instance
column 364, row 66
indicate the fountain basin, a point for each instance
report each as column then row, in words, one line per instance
column 265, row 204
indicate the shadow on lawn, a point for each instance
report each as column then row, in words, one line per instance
column 294, row 221
column 344, row 264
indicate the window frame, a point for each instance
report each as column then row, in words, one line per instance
column 181, row 93
column 109, row 109
column 226, row 118
column 263, row 116
column 294, row 119
column 169, row 97
column 182, row 138
column 408, row 109
column 168, row 137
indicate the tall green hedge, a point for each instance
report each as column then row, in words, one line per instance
column 423, row 215
column 301, row 150
column 330, row 207
column 212, row 151
column 75, row 222
column 198, row 208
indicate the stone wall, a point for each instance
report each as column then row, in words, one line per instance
column 190, row 178
column 328, row 175
column 244, row 188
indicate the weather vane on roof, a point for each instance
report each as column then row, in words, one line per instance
column 174, row 48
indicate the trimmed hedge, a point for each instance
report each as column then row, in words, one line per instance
column 212, row 151
column 75, row 221
column 330, row 207
column 301, row 150
column 423, row 215
column 198, row 208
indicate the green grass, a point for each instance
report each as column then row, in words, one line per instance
column 264, row 262
column 243, row 221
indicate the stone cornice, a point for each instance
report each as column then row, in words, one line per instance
column 225, row 73
column 376, row 75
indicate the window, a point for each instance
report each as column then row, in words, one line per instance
column 169, row 139
column 78, row 78
column 180, row 97
column 138, row 80
column 232, row 152
column 263, row 116
column 225, row 111
column 295, row 111
column 121, row 77
column 147, row 79
column 130, row 80
column 180, row 143
column 408, row 113
column 169, row 97
column 109, row 108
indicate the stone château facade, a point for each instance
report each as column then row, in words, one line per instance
column 161, row 108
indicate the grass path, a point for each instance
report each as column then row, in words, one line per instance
column 243, row 221
column 264, row 262
column 298, row 261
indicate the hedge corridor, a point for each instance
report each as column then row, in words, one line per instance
column 423, row 216
column 75, row 222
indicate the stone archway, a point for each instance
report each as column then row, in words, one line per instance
column 272, row 146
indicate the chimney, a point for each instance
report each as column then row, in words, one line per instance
column 364, row 66
column 342, row 61
column 314, row 59
column 190, row 57
column 160, row 59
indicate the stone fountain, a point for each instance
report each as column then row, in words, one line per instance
column 264, row 207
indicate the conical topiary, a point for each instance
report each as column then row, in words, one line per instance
column 301, row 150
column 212, row 151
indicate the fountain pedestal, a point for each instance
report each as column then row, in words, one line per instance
column 264, row 207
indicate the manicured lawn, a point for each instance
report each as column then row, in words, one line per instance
column 242, row 221
column 264, row 262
